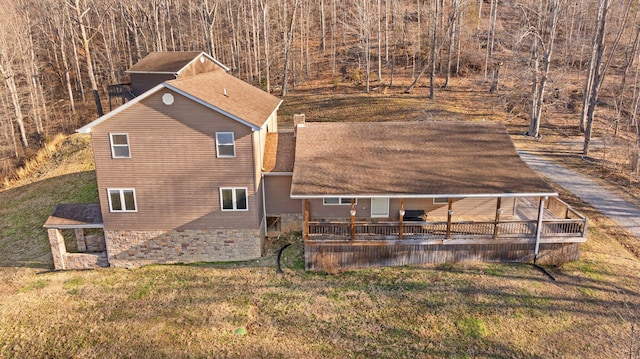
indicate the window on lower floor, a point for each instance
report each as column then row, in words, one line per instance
column 122, row 199
column 233, row 199
column 337, row 201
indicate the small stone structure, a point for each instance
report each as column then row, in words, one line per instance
column 128, row 248
column 91, row 248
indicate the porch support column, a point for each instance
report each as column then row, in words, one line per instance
column 353, row 219
column 401, row 226
column 81, row 243
column 498, row 213
column 58, row 248
column 539, row 227
column 306, row 219
column 449, row 215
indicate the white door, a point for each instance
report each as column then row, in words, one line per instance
column 379, row 207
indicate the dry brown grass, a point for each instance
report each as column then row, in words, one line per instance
column 458, row 311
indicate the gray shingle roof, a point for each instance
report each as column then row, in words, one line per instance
column 410, row 159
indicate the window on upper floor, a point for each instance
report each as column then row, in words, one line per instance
column 119, row 145
column 122, row 199
column 441, row 200
column 225, row 144
column 337, row 201
column 233, row 199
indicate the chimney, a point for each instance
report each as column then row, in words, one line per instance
column 298, row 120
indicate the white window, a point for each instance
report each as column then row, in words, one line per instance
column 225, row 144
column 444, row 200
column 337, row 201
column 233, row 199
column 122, row 199
column 119, row 145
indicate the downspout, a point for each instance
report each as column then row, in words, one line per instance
column 264, row 203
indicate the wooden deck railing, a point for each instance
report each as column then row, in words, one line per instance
column 438, row 230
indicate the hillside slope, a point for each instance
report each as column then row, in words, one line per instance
column 68, row 176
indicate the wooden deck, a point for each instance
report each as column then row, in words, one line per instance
column 339, row 245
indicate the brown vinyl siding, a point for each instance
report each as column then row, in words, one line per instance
column 464, row 207
column 141, row 83
column 174, row 168
column 320, row 211
column 277, row 190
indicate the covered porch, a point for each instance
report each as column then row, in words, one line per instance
column 543, row 229
column 547, row 219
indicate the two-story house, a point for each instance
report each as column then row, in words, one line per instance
column 179, row 168
column 195, row 169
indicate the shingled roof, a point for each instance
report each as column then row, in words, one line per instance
column 279, row 152
column 168, row 62
column 410, row 159
column 228, row 94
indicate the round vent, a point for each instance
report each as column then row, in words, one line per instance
column 167, row 99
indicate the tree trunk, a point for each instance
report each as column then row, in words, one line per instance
column 87, row 51
column 593, row 96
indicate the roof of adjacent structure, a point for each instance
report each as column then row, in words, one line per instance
column 228, row 94
column 410, row 159
column 168, row 62
column 279, row 152
column 75, row 216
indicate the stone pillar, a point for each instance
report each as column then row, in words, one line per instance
column 58, row 249
column 82, row 244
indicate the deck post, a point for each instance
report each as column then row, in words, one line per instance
column 353, row 219
column 497, row 222
column 449, row 215
column 539, row 227
column 401, row 226
column 306, row 219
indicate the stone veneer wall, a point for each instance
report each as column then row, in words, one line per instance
column 291, row 222
column 136, row 248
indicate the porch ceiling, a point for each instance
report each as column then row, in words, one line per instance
column 75, row 216
column 410, row 159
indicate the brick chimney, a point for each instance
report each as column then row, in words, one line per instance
column 298, row 120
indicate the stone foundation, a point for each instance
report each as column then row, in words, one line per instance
column 291, row 222
column 137, row 248
column 64, row 260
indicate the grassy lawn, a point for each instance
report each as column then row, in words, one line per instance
column 246, row 310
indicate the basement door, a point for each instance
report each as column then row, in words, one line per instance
column 379, row 207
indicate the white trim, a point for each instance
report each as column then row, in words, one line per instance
column 233, row 189
column 233, row 143
column 380, row 215
column 122, row 201
column 481, row 195
column 278, row 174
column 112, row 145
column 340, row 203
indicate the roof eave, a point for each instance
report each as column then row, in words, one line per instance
column 408, row 195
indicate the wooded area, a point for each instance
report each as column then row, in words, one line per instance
column 578, row 56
